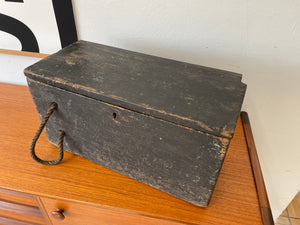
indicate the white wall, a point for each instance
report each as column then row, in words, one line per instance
column 260, row 39
column 12, row 67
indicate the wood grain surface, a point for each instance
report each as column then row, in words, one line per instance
column 80, row 214
column 174, row 159
column 21, row 212
column 234, row 200
column 10, row 221
column 163, row 88
column 23, row 53
column 17, row 197
column 258, row 176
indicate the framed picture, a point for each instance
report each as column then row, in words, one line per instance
column 41, row 26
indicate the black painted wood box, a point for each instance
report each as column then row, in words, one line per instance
column 165, row 123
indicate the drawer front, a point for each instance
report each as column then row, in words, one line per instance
column 10, row 221
column 177, row 160
column 21, row 198
column 69, row 213
column 19, row 207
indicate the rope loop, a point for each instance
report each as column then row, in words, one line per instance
column 51, row 109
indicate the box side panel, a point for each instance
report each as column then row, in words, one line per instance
column 178, row 160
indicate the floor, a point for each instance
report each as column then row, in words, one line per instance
column 291, row 216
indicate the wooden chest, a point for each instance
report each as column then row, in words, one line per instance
column 165, row 123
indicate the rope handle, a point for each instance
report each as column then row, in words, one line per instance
column 37, row 135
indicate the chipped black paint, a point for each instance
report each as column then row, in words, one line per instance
column 199, row 97
column 165, row 123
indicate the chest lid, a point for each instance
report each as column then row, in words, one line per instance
column 198, row 97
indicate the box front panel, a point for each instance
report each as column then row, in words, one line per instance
column 178, row 160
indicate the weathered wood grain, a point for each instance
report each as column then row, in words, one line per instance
column 165, row 123
column 175, row 159
column 199, row 97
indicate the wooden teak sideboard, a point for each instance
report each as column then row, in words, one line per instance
column 78, row 191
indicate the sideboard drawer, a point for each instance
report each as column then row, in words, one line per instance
column 10, row 221
column 18, row 208
column 17, row 197
column 65, row 212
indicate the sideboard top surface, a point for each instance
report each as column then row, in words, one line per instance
column 234, row 200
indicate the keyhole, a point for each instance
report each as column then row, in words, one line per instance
column 114, row 115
